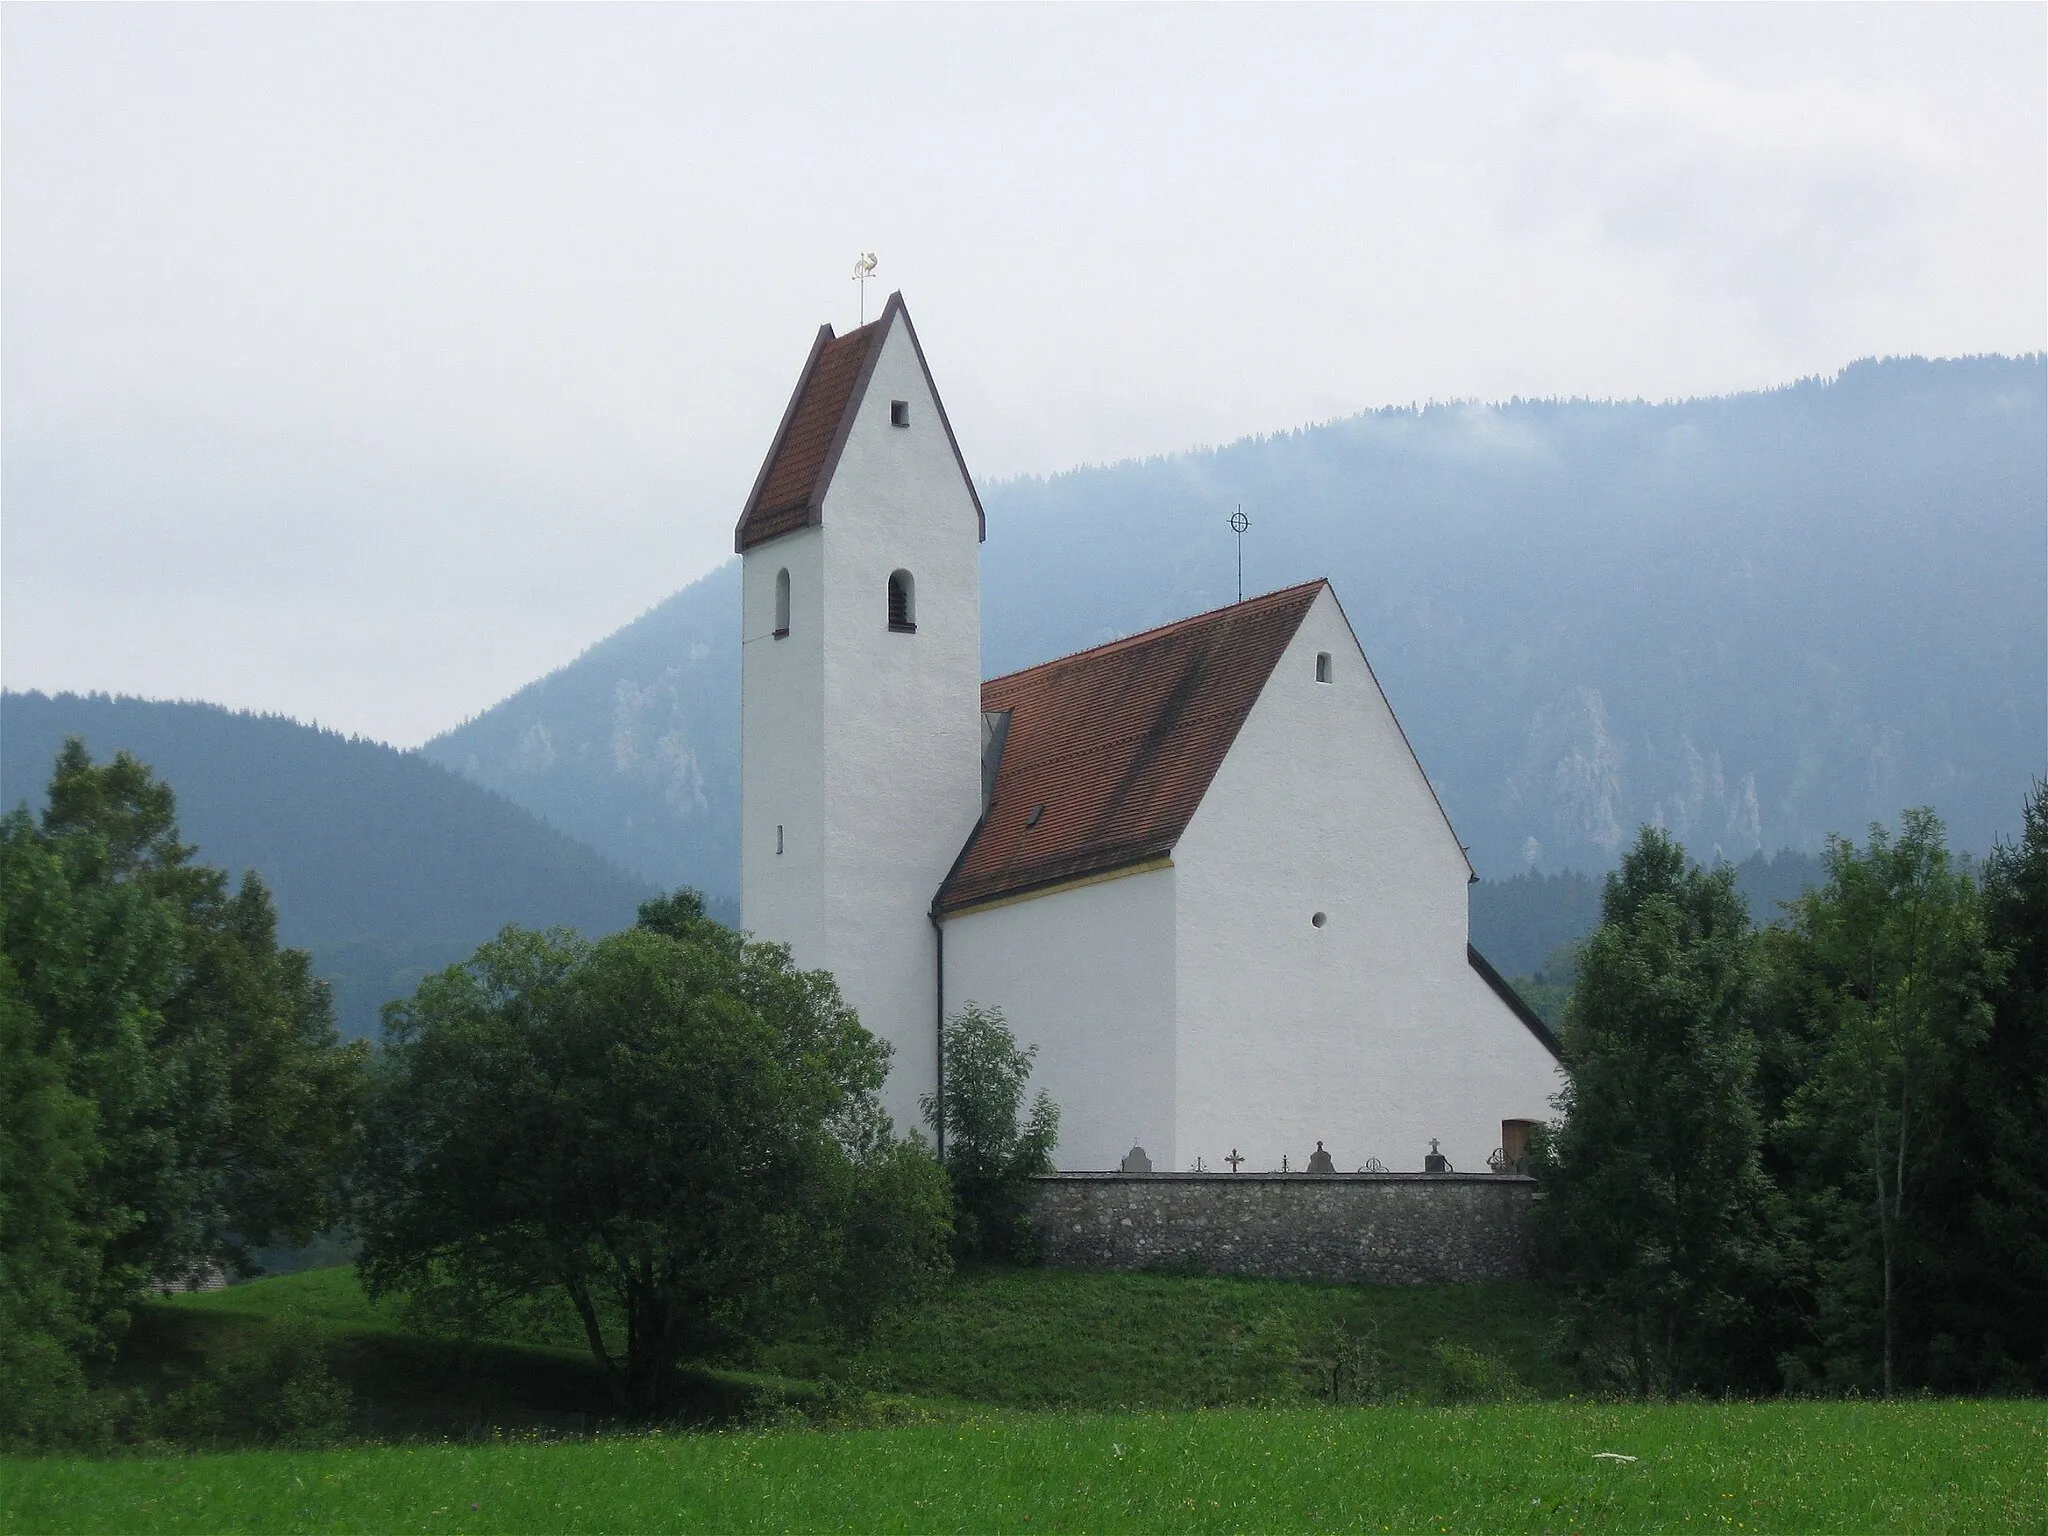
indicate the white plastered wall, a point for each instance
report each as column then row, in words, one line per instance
column 1371, row 1033
column 901, row 712
column 1085, row 975
column 782, row 746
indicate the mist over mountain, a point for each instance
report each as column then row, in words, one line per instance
column 1752, row 619
column 384, row 865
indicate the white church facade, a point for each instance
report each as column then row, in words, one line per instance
column 1199, row 868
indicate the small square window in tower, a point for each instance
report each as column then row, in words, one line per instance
column 902, row 603
column 899, row 413
column 1322, row 666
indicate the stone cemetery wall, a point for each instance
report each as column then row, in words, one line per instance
column 1385, row 1228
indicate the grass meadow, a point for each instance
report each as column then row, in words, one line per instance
column 1920, row 1466
column 1033, row 1401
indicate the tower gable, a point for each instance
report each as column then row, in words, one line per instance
column 789, row 492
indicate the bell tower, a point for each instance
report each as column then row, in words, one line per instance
column 860, row 683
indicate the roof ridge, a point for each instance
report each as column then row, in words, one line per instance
column 1158, row 631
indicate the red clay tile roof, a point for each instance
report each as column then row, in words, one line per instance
column 791, row 483
column 789, row 493
column 1110, row 751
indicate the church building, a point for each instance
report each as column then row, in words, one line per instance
column 1198, row 868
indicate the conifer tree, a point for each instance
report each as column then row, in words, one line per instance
column 1652, row 1211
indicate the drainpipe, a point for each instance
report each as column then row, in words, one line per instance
column 939, row 1098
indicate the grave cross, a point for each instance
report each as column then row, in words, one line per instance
column 1234, row 1160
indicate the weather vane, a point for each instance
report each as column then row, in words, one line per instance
column 1238, row 523
column 864, row 269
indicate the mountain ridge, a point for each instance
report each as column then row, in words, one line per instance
column 385, row 865
column 1520, row 575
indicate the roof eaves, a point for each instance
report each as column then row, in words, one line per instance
column 739, row 532
column 1072, row 872
column 1531, row 1019
column 896, row 303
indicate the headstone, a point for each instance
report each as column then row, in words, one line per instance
column 1435, row 1162
column 1135, row 1161
column 1320, row 1161
column 1234, row 1160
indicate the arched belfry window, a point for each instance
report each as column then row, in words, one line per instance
column 781, row 603
column 902, row 603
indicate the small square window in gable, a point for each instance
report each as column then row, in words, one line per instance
column 899, row 413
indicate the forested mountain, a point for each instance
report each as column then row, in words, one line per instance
column 1752, row 619
column 634, row 747
column 1520, row 923
column 384, row 865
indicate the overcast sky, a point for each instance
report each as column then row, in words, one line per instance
column 364, row 363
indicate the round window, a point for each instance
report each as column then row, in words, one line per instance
column 1320, row 918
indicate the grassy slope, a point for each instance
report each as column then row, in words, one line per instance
column 1810, row 1466
column 1006, row 1338
column 1045, row 1339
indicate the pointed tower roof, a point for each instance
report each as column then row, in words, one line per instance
column 789, row 493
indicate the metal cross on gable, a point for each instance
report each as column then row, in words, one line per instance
column 1238, row 523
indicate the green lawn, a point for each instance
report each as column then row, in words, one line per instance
column 1030, row 1339
column 1972, row 1467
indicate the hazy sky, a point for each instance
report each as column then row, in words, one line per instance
column 363, row 363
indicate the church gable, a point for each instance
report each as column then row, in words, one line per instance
column 789, row 492
column 1106, row 754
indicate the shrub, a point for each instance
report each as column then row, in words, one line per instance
column 1459, row 1373
column 991, row 1157
column 279, row 1392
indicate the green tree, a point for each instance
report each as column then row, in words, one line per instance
column 175, row 1090
column 225, row 1097
column 1652, row 1212
column 1992, row 1188
column 49, row 1147
column 94, row 963
column 676, row 1128
column 991, row 1154
column 1892, row 974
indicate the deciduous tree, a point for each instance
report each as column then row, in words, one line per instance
column 992, row 1151
column 1895, row 976
column 675, row 1127
column 178, row 1095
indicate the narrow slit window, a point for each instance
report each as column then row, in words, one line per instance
column 902, row 603
column 1322, row 666
column 899, row 413
column 778, row 837
column 781, row 603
